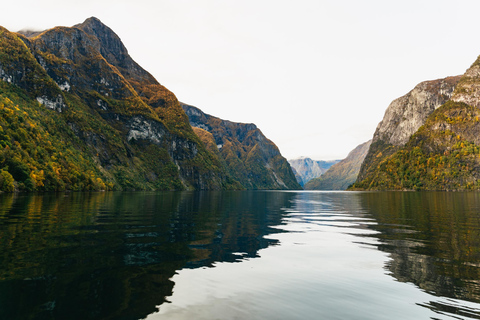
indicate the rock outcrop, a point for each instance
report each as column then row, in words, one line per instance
column 246, row 154
column 342, row 174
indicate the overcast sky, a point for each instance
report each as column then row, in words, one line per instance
column 314, row 75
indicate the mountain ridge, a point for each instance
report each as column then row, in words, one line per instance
column 246, row 154
column 105, row 123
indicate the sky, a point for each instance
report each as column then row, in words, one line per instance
column 316, row 76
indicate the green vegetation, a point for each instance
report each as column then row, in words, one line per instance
column 36, row 153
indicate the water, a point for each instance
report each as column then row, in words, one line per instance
column 240, row 255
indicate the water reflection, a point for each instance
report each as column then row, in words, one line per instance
column 434, row 239
column 111, row 255
column 434, row 242
column 117, row 255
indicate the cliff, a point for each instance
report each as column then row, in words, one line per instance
column 77, row 113
column 342, row 174
column 403, row 117
column 443, row 154
column 245, row 153
column 306, row 169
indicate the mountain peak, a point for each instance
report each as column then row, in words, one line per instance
column 113, row 50
column 91, row 22
column 108, row 39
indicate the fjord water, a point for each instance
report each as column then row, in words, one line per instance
column 240, row 255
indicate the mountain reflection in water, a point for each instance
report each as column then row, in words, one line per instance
column 111, row 255
column 433, row 239
column 327, row 255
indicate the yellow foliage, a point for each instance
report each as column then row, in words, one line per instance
column 38, row 178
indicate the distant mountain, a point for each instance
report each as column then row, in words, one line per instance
column 342, row 174
column 441, row 152
column 307, row 169
column 78, row 113
column 246, row 154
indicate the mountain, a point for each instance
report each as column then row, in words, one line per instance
column 341, row 174
column 307, row 169
column 403, row 117
column 245, row 153
column 442, row 153
column 78, row 113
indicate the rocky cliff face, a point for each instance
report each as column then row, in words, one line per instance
column 404, row 116
column 307, row 169
column 247, row 155
column 342, row 174
column 443, row 154
column 468, row 89
column 131, row 131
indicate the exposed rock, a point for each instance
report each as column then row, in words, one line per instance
column 406, row 114
column 468, row 89
column 141, row 128
column 58, row 104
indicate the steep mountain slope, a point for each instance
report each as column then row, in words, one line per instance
column 307, row 169
column 78, row 113
column 246, row 154
column 342, row 174
column 444, row 153
column 403, row 118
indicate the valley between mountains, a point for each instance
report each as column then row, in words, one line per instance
column 78, row 113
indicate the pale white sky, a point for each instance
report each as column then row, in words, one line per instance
column 314, row 75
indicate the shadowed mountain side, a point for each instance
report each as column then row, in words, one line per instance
column 248, row 156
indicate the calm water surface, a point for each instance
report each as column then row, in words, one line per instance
column 240, row 255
